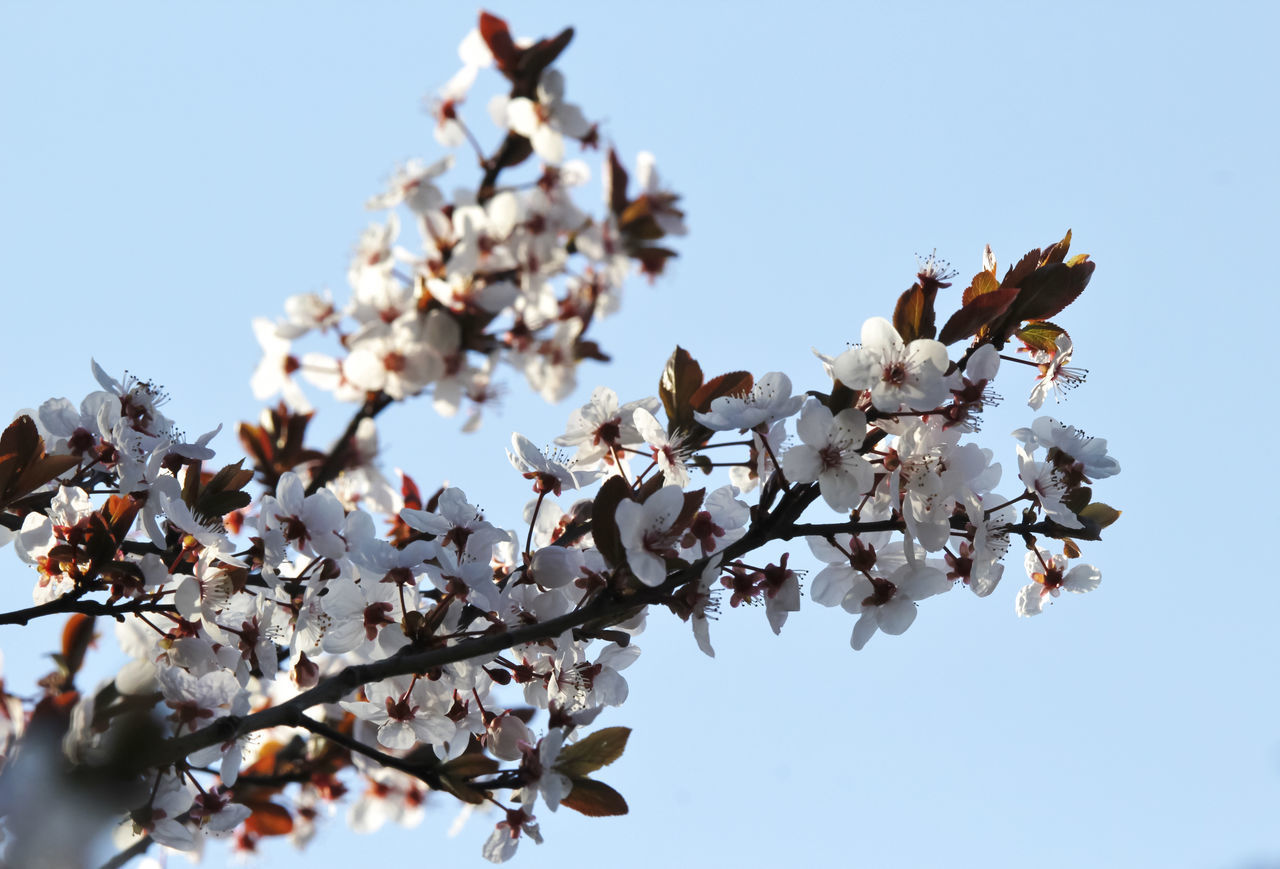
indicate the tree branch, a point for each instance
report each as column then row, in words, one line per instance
column 337, row 737
column 332, row 464
column 137, row 849
column 71, row 604
column 605, row 609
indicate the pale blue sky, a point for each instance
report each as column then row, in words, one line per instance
column 170, row 171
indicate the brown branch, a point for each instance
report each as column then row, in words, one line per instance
column 72, row 604
column 826, row 529
column 604, row 610
column 137, row 849
column 332, row 464
column 404, row 765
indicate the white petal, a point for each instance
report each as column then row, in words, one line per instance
column 1030, row 599
column 863, row 630
column 814, row 425
column 1082, row 578
column 897, row 615
column 801, row 464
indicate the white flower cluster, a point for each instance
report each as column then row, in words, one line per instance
column 281, row 646
column 498, row 274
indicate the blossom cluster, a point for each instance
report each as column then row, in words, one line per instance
column 504, row 273
column 285, row 653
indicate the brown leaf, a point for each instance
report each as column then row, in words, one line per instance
column 77, row 634
column 1050, row 289
column 604, row 527
column 470, row 765
column 594, row 799
column 652, row 259
column 616, row 184
column 455, row 776
column 736, row 383
column 496, row 35
column 119, row 512
column 1056, row 253
column 1076, row 499
column 681, row 378
column 692, row 504
column 24, row 467
column 1028, row 264
column 268, row 819
column 41, row 471
column 982, row 283
column 910, row 313
column 983, row 310
column 221, row 494
column 534, row 59
column 1045, row 292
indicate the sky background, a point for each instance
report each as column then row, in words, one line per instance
column 171, row 170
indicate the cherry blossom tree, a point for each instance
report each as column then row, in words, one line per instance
column 299, row 625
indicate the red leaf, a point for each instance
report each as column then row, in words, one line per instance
column 910, row 313
column 1056, row 253
column 976, row 314
column 681, row 378
column 503, row 48
column 1028, row 264
column 615, row 180
column 120, row 511
column 594, row 799
column 23, row 465
column 982, row 283
column 534, row 59
column 604, row 528
column 737, row 383
column 1050, row 289
column 77, row 634
column 269, row 819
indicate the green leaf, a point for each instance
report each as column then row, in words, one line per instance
column 592, row 752
column 1041, row 335
column 681, row 378
column 1102, row 514
column 594, row 799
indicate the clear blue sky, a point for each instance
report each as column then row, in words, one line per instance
column 170, row 171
